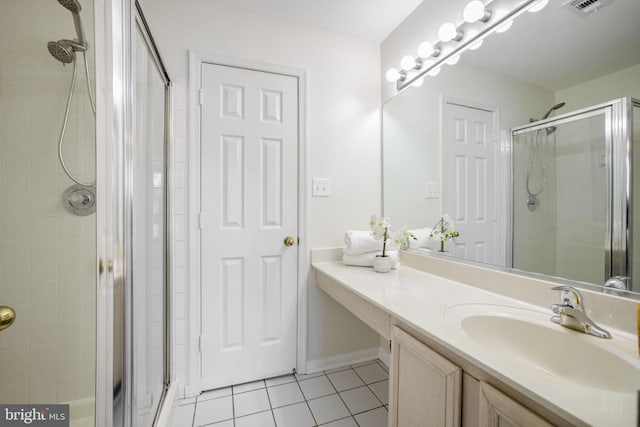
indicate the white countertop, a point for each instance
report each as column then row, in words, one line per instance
column 420, row 300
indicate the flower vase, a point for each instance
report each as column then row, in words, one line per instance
column 382, row 264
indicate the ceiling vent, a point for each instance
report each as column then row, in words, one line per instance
column 585, row 7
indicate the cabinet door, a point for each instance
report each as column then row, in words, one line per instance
column 425, row 387
column 499, row 410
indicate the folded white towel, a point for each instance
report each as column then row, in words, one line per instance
column 423, row 240
column 360, row 242
column 366, row 259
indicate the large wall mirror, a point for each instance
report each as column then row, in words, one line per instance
column 546, row 197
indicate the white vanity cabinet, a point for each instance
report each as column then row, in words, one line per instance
column 437, row 377
column 426, row 389
column 499, row 410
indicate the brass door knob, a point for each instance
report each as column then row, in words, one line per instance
column 289, row 241
column 7, row 317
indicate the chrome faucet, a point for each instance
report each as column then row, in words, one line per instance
column 570, row 313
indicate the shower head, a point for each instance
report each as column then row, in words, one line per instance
column 74, row 7
column 555, row 107
column 62, row 50
column 552, row 129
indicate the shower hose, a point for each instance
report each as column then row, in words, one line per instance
column 66, row 118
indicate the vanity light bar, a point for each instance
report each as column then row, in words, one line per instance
column 450, row 35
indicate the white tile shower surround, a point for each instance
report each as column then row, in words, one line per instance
column 47, row 256
column 351, row 396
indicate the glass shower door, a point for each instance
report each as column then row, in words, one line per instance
column 150, row 374
column 561, row 197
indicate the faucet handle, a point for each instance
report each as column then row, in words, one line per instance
column 570, row 297
column 618, row 282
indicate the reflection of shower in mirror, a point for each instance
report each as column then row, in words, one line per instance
column 536, row 163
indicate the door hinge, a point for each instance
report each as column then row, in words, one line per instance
column 201, row 97
column 201, row 343
column 201, row 220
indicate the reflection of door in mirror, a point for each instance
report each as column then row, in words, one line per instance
column 468, row 182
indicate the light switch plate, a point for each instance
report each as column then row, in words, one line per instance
column 432, row 190
column 321, row 187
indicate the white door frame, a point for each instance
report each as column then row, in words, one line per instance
column 498, row 164
column 196, row 59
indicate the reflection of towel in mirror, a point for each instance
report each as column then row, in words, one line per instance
column 360, row 242
column 423, row 241
column 366, row 259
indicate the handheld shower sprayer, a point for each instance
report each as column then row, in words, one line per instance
column 555, row 107
column 65, row 51
column 74, row 7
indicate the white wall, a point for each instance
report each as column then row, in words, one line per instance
column 625, row 82
column 48, row 260
column 343, row 140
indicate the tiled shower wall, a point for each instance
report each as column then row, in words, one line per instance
column 47, row 256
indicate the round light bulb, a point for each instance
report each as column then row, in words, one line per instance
column 425, row 50
column 418, row 82
column 473, row 11
column 434, row 72
column 453, row 60
column 407, row 62
column 476, row 44
column 392, row 75
column 504, row 27
column 447, row 32
column 538, row 6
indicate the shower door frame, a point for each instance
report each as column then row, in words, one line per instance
column 617, row 115
column 139, row 23
column 115, row 23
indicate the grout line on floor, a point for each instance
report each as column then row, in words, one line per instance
column 306, row 401
column 273, row 415
column 369, row 388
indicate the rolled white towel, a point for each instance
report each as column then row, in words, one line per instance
column 360, row 242
column 366, row 259
column 423, row 240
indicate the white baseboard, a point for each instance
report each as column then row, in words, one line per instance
column 384, row 356
column 340, row 360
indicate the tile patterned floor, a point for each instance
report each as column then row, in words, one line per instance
column 352, row 396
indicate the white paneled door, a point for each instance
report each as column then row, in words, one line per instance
column 469, row 181
column 249, row 224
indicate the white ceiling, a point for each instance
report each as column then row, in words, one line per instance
column 366, row 19
column 557, row 48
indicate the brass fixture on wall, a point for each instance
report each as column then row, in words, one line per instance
column 7, row 317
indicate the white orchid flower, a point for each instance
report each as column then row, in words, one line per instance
column 400, row 236
column 379, row 227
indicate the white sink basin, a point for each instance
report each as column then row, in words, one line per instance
column 529, row 337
